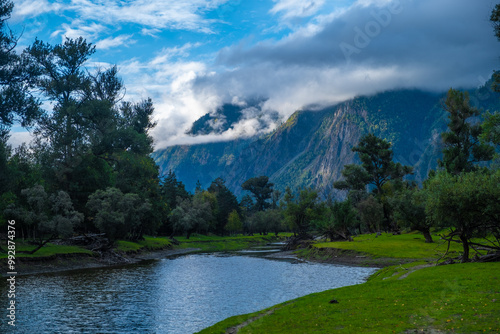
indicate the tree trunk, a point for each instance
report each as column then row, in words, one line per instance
column 465, row 244
column 427, row 236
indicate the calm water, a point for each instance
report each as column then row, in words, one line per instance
column 180, row 295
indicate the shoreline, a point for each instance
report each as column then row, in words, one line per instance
column 79, row 261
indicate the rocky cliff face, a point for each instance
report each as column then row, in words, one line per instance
column 311, row 148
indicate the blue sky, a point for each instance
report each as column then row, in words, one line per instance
column 190, row 56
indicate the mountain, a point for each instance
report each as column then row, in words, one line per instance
column 230, row 115
column 312, row 147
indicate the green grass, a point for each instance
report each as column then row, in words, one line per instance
column 212, row 243
column 47, row 250
column 149, row 243
column 407, row 246
column 463, row 298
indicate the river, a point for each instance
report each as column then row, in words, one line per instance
column 177, row 295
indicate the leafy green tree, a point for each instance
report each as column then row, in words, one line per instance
column 16, row 102
column 462, row 147
column 45, row 217
column 338, row 221
column 491, row 128
column 64, row 216
column 371, row 213
column 300, row 211
column 118, row 215
column 468, row 205
column 495, row 19
column 234, row 223
column 377, row 169
column 247, row 204
column 344, row 219
column 263, row 222
column 91, row 140
column 226, row 202
column 261, row 189
column 192, row 216
column 409, row 210
column 172, row 190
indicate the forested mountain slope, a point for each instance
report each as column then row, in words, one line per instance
column 312, row 147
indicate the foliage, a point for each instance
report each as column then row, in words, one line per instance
column 264, row 221
column 261, row 189
column 409, row 210
column 234, row 223
column 43, row 216
column 462, row 148
column 467, row 204
column 495, row 19
column 338, row 221
column 377, row 169
column 192, row 216
column 491, row 128
column 17, row 104
column 120, row 216
column 370, row 213
column 300, row 211
column 226, row 202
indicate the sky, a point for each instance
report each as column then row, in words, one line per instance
column 192, row 56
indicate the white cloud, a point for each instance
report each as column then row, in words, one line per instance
column 371, row 46
column 296, row 8
column 78, row 28
column 32, row 8
column 18, row 138
column 168, row 81
column 159, row 14
column 110, row 42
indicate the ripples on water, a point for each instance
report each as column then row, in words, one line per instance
column 181, row 295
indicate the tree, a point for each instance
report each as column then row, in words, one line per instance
column 234, row 224
column 45, row 216
column 118, row 215
column 192, row 215
column 16, row 102
column 261, row 189
column 409, row 210
column 377, row 169
column 491, row 128
column 91, row 139
column 371, row 213
column 301, row 211
column 462, row 147
column 468, row 205
column 339, row 220
column 495, row 20
column 264, row 222
column 226, row 202
column 172, row 190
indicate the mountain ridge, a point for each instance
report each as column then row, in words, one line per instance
column 311, row 148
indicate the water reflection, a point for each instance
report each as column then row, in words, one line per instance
column 180, row 295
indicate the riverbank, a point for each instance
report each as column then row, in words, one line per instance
column 411, row 296
column 57, row 258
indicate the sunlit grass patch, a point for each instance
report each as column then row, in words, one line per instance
column 48, row 250
column 149, row 243
column 410, row 246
